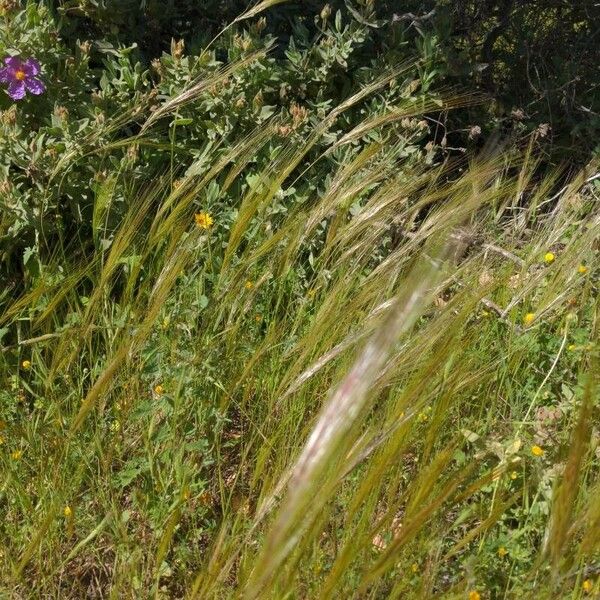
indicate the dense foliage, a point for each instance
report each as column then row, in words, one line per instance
column 299, row 300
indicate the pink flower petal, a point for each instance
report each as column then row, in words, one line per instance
column 16, row 90
column 31, row 66
column 35, row 86
column 14, row 62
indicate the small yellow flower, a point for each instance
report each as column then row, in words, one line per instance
column 422, row 417
column 514, row 475
column 16, row 454
column 587, row 586
column 68, row 512
column 582, row 269
column 502, row 552
column 528, row 318
column 159, row 390
column 26, row 364
column 248, row 285
column 474, row 595
column 258, row 318
column 115, row 425
column 571, row 347
column 549, row 257
column 203, row 220
column 537, row 451
column 414, row 567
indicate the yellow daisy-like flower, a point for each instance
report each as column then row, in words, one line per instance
column 537, row 451
column 529, row 318
column 587, row 586
column 582, row 269
column 474, row 595
column 549, row 257
column 26, row 364
column 68, row 512
column 248, row 285
column 159, row 389
column 502, row 552
column 203, row 220
column 16, row 454
column 514, row 475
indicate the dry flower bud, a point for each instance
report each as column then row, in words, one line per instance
column 177, row 49
column 9, row 117
column 299, row 114
column 284, row 130
column 518, row 114
column 85, row 47
column 258, row 101
column 61, row 112
column 543, row 130
column 260, row 25
column 474, row 132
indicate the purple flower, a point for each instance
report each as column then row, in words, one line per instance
column 20, row 75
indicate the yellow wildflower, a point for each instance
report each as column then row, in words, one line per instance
column 587, row 586
column 514, row 475
column 248, row 285
column 203, row 220
column 528, row 318
column 502, row 552
column 26, row 364
column 414, row 567
column 571, row 347
column 474, row 595
column 159, row 389
column 258, row 318
column 582, row 269
column 16, row 454
column 537, row 451
column 68, row 512
column 549, row 257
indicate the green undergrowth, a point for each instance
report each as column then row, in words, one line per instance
column 379, row 383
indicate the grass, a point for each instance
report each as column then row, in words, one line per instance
column 339, row 400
